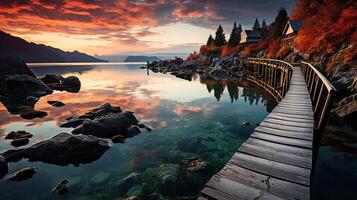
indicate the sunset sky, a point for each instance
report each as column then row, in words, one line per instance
column 106, row 27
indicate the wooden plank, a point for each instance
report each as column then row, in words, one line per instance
column 274, row 155
column 201, row 198
column 280, row 188
column 238, row 190
column 274, row 116
column 287, row 122
column 294, row 112
column 292, row 116
column 271, row 168
column 287, row 127
column 302, row 152
column 284, row 133
column 216, row 194
column 282, row 140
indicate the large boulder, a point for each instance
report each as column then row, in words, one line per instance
column 109, row 125
column 62, row 149
column 218, row 72
column 17, row 86
column 347, row 106
column 12, row 65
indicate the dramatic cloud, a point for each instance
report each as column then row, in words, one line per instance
column 122, row 23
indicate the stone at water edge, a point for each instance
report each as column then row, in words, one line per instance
column 73, row 123
column 118, row 139
column 22, row 174
column 18, row 134
column 61, row 187
column 3, row 167
column 33, row 114
column 20, row 142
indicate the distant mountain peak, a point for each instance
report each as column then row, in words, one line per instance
column 31, row 52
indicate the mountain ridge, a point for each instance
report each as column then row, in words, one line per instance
column 32, row 52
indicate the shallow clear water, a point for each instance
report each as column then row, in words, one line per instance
column 200, row 118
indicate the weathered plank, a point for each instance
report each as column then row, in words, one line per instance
column 283, row 140
column 274, row 169
column 278, row 187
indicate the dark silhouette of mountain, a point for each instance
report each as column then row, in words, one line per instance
column 32, row 52
column 141, row 58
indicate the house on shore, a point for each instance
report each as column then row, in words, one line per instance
column 290, row 31
column 250, row 36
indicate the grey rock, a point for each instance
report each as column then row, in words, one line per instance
column 195, row 164
column 63, row 149
column 18, row 134
column 20, row 142
column 73, row 123
column 22, row 174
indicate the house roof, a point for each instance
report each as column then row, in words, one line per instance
column 294, row 24
column 252, row 33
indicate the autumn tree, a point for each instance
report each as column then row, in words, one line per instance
column 234, row 38
column 220, row 39
column 279, row 23
column 210, row 41
column 256, row 25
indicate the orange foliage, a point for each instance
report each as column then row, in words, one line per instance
column 326, row 27
column 227, row 50
column 193, row 56
column 273, row 48
column 283, row 51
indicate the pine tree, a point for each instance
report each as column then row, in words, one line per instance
column 210, row 41
column 264, row 28
column 234, row 38
column 240, row 30
column 256, row 25
column 279, row 23
column 220, row 39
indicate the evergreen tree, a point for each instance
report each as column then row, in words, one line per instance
column 256, row 25
column 240, row 30
column 279, row 23
column 264, row 28
column 210, row 41
column 235, row 36
column 220, row 39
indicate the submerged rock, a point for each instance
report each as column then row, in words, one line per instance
column 20, row 142
column 18, row 134
column 118, row 139
column 128, row 182
column 195, row 164
column 61, row 187
column 168, row 174
column 22, row 174
column 52, row 78
column 3, row 167
column 56, row 103
column 246, row 123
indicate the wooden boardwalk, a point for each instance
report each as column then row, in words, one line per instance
column 276, row 161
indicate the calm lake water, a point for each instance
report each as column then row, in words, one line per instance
column 201, row 118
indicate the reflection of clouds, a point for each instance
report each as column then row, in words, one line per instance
column 206, row 109
column 182, row 110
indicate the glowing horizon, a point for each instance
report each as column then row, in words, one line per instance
column 123, row 26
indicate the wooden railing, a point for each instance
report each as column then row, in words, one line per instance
column 273, row 75
column 322, row 93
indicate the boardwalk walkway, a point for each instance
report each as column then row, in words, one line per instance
column 276, row 161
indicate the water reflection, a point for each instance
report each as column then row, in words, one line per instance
column 200, row 118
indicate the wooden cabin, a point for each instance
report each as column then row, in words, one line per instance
column 291, row 30
column 250, row 36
